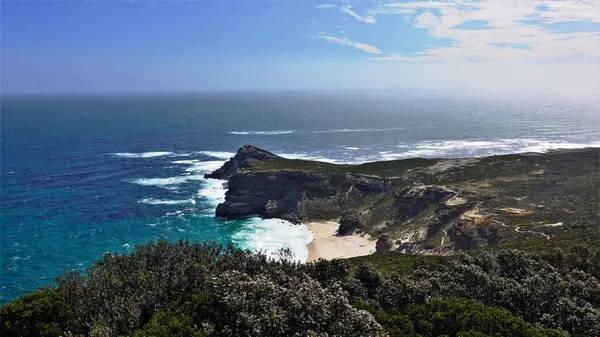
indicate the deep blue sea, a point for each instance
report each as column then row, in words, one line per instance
column 84, row 175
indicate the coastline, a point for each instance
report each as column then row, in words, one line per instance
column 327, row 245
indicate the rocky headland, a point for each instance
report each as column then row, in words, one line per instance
column 425, row 206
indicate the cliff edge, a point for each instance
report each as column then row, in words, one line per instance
column 423, row 206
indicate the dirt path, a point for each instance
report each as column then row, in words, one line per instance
column 518, row 230
column 443, row 237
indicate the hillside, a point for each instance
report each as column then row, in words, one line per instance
column 428, row 206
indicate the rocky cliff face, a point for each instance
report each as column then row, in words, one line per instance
column 291, row 194
column 274, row 193
column 419, row 206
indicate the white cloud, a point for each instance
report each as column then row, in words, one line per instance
column 325, row 6
column 347, row 42
column 310, row 21
column 366, row 19
column 514, row 30
column 421, row 4
column 570, row 11
column 500, row 46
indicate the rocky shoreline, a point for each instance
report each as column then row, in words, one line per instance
column 420, row 206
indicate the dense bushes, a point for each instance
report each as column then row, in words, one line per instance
column 455, row 317
column 184, row 289
column 41, row 313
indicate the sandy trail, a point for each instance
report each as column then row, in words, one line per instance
column 518, row 230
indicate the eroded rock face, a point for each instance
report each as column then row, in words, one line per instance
column 288, row 193
column 384, row 244
column 368, row 184
column 412, row 201
column 272, row 193
column 466, row 236
column 349, row 222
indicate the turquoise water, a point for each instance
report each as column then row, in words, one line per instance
column 83, row 175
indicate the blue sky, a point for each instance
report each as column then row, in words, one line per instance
column 548, row 46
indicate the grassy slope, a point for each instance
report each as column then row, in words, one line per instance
column 561, row 186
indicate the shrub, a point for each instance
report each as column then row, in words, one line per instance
column 456, row 317
column 41, row 313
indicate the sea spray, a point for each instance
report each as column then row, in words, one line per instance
column 272, row 235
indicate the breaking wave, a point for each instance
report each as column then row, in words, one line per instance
column 271, row 235
column 276, row 132
column 142, row 154
column 152, row 201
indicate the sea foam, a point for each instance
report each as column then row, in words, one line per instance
column 166, row 182
column 258, row 133
column 142, row 154
column 271, row 235
column 287, row 132
column 213, row 191
column 152, row 201
column 446, row 149
column 217, row 154
column 469, row 148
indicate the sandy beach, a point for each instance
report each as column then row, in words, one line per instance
column 327, row 245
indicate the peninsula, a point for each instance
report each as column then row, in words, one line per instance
column 425, row 206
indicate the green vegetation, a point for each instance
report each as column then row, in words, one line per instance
column 384, row 169
column 552, row 198
column 455, row 317
column 190, row 289
column 41, row 313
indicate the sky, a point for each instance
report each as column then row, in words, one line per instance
column 503, row 46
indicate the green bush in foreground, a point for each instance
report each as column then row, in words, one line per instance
column 41, row 313
column 455, row 317
column 191, row 289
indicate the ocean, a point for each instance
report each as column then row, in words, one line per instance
column 83, row 175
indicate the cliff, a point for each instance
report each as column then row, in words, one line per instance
column 424, row 206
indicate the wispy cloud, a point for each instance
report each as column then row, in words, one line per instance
column 310, row 21
column 325, row 6
column 347, row 42
column 514, row 30
column 366, row 19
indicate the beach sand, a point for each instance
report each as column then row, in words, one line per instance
column 327, row 245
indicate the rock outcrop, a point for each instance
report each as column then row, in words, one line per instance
column 349, row 222
column 271, row 194
column 244, row 158
column 384, row 244
column 291, row 194
column 413, row 201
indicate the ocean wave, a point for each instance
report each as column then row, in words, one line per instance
column 163, row 182
column 358, row 130
column 214, row 191
column 217, row 154
column 287, row 132
column 152, row 201
column 271, row 235
column 468, row 148
column 445, row 149
column 315, row 157
column 152, row 154
column 197, row 166
column 259, row 133
column 142, row 154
